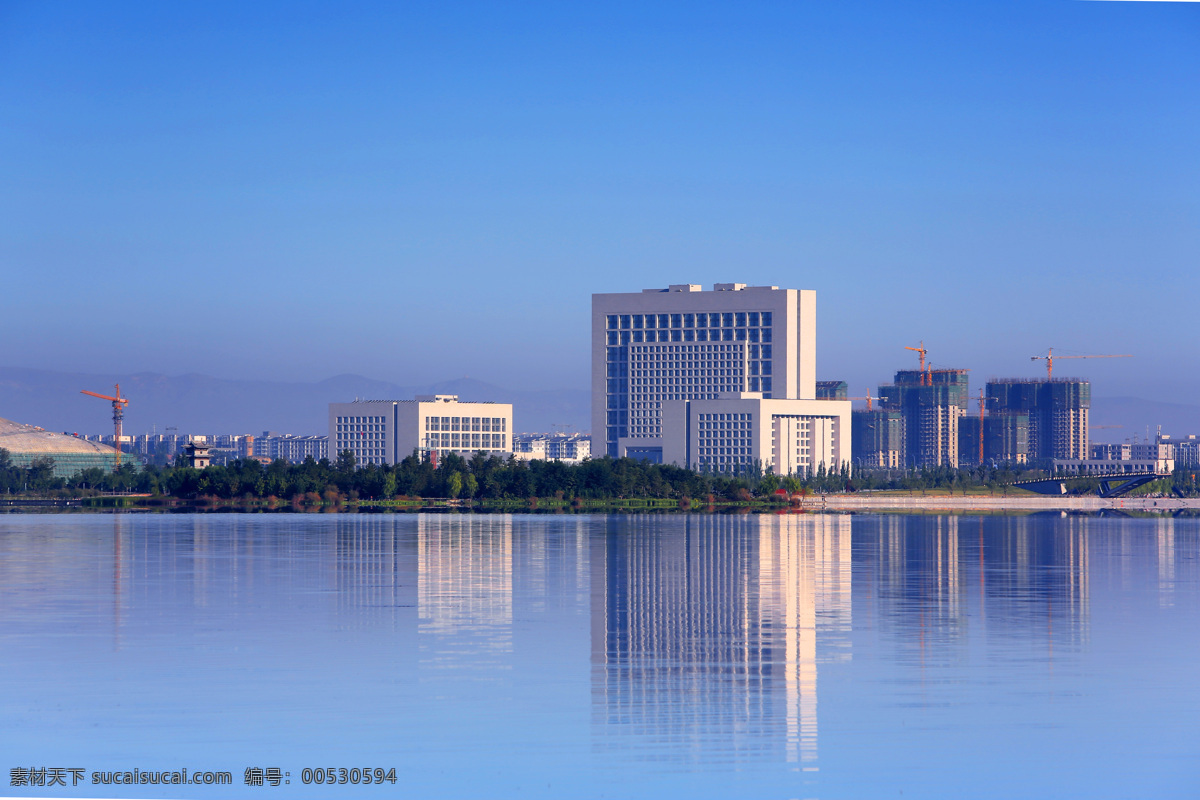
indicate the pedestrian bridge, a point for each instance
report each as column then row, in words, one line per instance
column 1112, row 484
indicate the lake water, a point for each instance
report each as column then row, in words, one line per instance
column 698, row 656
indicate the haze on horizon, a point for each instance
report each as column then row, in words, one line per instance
column 416, row 192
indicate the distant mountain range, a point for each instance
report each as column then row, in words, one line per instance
column 1134, row 416
column 202, row 404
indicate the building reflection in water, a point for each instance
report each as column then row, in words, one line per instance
column 1165, row 536
column 465, row 588
column 706, row 629
column 934, row 580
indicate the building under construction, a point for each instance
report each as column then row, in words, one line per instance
column 877, row 438
column 1004, row 439
column 1053, row 412
column 930, row 404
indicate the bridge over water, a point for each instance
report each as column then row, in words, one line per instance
column 1112, row 484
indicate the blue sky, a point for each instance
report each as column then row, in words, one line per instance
column 421, row 191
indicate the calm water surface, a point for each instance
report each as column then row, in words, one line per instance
column 689, row 656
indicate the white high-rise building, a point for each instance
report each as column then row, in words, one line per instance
column 654, row 348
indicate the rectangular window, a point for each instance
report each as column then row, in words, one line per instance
column 662, row 320
column 650, row 320
column 766, row 319
column 753, row 319
column 624, row 320
column 727, row 320
column 766, row 334
column 741, row 319
column 689, row 320
column 612, row 322
column 637, row 321
column 676, row 320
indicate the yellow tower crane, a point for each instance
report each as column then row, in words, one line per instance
column 926, row 378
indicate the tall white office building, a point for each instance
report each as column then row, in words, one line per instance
column 655, row 351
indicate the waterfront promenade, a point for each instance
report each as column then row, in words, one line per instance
column 932, row 502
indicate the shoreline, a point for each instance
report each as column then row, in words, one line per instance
column 947, row 502
column 817, row 503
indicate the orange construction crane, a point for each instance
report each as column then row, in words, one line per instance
column 868, row 398
column 118, row 404
column 1049, row 359
column 926, row 378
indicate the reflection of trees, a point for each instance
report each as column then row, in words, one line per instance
column 706, row 628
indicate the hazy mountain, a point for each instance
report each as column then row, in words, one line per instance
column 1130, row 417
column 203, row 404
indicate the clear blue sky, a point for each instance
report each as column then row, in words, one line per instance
column 418, row 191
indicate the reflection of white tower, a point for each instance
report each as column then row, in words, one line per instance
column 804, row 575
column 1164, row 530
column 464, row 584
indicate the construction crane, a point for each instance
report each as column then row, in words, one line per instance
column 981, row 427
column 118, row 404
column 926, row 378
column 867, row 397
column 1049, row 359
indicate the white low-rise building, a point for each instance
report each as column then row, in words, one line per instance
column 387, row 431
column 570, row 448
column 739, row 432
column 1121, row 458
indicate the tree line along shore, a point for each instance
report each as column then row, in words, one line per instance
column 491, row 478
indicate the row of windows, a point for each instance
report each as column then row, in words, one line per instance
column 361, row 420
column 720, row 376
column 700, row 335
column 685, row 354
column 361, row 437
column 645, row 430
column 358, row 427
column 465, row 441
column 725, row 451
column 698, row 320
column 732, row 464
column 465, row 423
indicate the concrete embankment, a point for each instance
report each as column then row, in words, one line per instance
column 945, row 502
